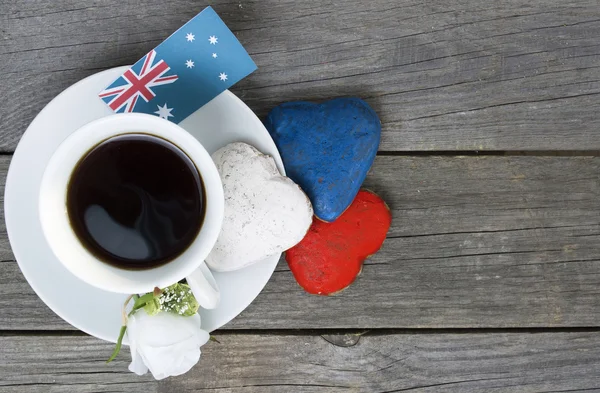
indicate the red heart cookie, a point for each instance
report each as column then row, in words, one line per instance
column 331, row 255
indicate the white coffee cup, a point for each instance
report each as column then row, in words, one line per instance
column 83, row 264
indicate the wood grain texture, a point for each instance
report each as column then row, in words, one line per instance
column 49, row 364
column 442, row 74
column 475, row 242
column 496, row 362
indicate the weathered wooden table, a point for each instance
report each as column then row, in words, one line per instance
column 490, row 276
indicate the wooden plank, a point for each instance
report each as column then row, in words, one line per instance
column 442, row 74
column 475, row 242
column 49, row 364
column 496, row 362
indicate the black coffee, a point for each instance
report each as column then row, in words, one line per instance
column 136, row 201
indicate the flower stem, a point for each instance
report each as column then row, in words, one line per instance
column 138, row 302
column 123, row 312
column 119, row 343
column 123, row 328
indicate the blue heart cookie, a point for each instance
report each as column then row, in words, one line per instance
column 327, row 149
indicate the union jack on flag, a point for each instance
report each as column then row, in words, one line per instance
column 191, row 67
column 131, row 85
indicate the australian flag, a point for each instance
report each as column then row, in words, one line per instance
column 191, row 67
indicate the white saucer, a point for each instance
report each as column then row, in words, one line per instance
column 223, row 120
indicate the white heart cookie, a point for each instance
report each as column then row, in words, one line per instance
column 265, row 213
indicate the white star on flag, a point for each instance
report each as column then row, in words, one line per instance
column 189, row 64
column 190, row 37
column 223, row 76
column 214, row 55
column 213, row 40
column 163, row 112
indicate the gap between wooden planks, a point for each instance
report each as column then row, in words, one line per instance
column 476, row 242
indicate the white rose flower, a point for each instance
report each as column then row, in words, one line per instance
column 168, row 344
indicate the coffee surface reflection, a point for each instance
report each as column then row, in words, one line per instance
column 136, row 201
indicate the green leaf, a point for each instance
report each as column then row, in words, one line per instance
column 178, row 299
column 153, row 306
column 141, row 301
column 119, row 343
